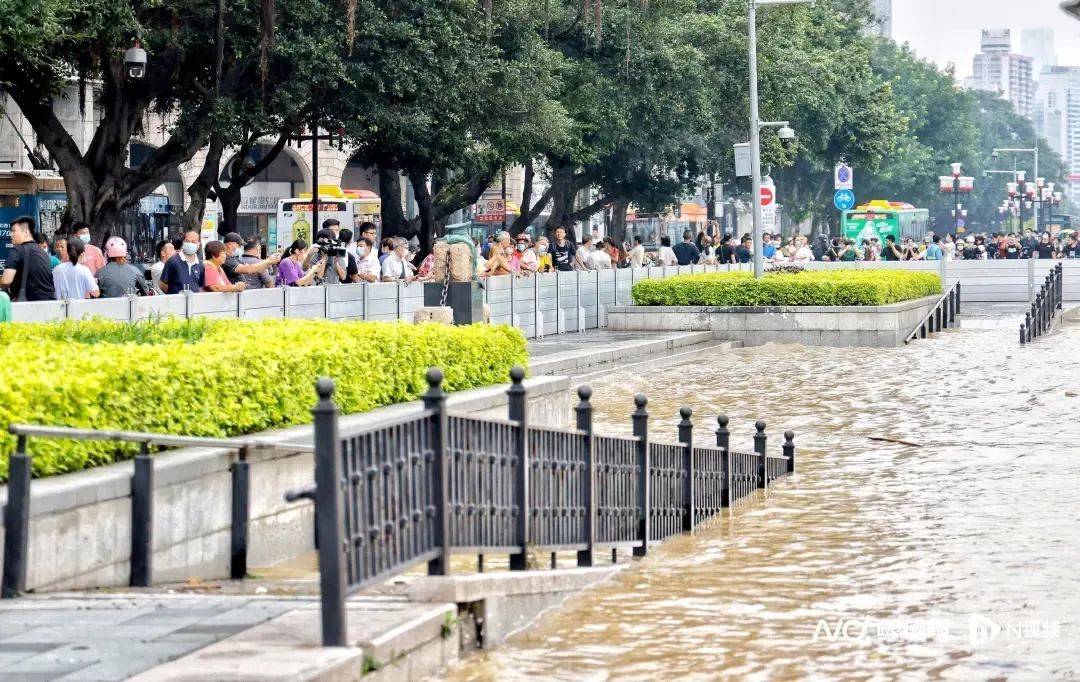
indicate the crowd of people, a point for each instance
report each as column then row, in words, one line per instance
column 71, row 267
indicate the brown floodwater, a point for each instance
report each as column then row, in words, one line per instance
column 875, row 560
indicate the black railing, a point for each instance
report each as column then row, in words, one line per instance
column 1048, row 301
column 17, row 509
column 417, row 490
column 940, row 317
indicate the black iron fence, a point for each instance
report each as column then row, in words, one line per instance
column 940, row 317
column 1048, row 301
column 417, row 490
column 141, row 561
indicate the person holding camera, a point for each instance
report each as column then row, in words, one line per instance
column 240, row 267
column 291, row 269
column 331, row 252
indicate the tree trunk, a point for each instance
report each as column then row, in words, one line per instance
column 393, row 217
column 563, row 195
column 200, row 188
column 229, row 201
column 618, row 219
column 426, row 208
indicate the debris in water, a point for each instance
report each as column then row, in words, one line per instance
column 895, row 440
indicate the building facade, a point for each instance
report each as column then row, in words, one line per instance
column 1057, row 118
column 997, row 69
column 883, row 13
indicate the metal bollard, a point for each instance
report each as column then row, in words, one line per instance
column 1023, row 334
column 142, row 519
column 759, row 448
column 329, row 510
column 640, row 419
column 723, row 437
column 686, row 438
column 584, row 411
column 789, row 450
column 241, row 513
column 16, row 523
column 518, row 412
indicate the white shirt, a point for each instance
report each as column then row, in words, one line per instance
column 666, row 256
column 73, row 283
column 395, row 268
column 155, row 274
column 599, row 260
column 803, row 254
column 369, row 264
column 637, row 256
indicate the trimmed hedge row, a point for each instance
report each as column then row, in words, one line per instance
column 807, row 288
column 222, row 378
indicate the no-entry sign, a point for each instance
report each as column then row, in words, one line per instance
column 766, row 196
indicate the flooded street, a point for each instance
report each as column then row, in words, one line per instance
column 958, row 559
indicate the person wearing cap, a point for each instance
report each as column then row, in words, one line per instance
column 119, row 278
column 237, row 264
column 215, row 278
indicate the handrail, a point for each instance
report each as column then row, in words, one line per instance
column 940, row 316
column 153, row 438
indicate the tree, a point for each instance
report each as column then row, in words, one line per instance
column 45, row 44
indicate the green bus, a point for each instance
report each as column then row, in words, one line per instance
column 881, row 218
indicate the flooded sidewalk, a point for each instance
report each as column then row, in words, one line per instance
column 950, row 557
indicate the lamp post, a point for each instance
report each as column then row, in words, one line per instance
column 957, row 184
column 786, row 134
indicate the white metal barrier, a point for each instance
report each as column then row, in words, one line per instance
column 540, row 305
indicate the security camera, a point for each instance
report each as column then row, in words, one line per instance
column 787, row 137
column 135, row 62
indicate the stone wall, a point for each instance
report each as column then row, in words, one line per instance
column 80, row 526
column 877, row 326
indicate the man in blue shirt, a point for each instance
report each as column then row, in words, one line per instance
column 687, row 253
column 768, row 248
column 933, row 249
column 184, row 271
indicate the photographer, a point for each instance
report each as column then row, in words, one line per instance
column 291, row 272
column 238, row 261
column 330, row 253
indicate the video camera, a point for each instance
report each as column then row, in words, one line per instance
column 328, row 246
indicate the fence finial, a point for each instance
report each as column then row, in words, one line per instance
column 325, row 388
column 584, row 392
column 722, row 421
column 685, row 412
column 641, row 401
column 434, row 378
column 760, row 425
column 517, row 374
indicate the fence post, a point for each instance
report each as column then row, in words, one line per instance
column 241, row 512
column 584, row 412
column 513, row 318
column 957, row 302
column 1023, row 334
column 538, row 326
column 187, row 304
column 722, row 441
column 518, row 412
column 142, row 519
column 16, row 523
column 686, row 437
column 558, row 302
column 789, row 450
column 640, row 419
column 1031, row 279
column 435, row 399
column 329, row 515
column 286, row 303
column 1060, row 286
column 759, row 448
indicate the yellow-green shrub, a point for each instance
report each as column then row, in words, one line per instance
column 222, row 378
column 810, row 287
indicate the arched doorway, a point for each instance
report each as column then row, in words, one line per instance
column 358, row 176
column 285, row 177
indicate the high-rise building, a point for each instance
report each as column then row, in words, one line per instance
column 883, row 14
column 1038, row 43
column 1057, row 118
column 997, row 69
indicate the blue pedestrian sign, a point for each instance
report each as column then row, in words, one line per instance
column 844, row 200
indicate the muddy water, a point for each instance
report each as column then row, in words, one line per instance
column 876, row 560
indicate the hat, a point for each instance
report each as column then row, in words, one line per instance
column 116, row 248
column 233, row 237
column 523, row 237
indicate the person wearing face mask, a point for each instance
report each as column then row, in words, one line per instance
column 236, row 266
column 93, row 258
column 543, row 258
column 524, row 256
column 397, row 264
column 184, row 271
column 368, row 268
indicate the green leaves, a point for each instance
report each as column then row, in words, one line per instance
column 807, row 288
column 223, row 378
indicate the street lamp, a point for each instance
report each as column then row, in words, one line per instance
column 786, row 134
column 956, row 183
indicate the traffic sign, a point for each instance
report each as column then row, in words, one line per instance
column 843, row 177
column 767, row 196
column 844, row 200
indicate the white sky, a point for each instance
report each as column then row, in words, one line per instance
column 949, row 30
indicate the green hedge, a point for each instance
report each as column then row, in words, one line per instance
column 810, row 287
column 222, row 378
